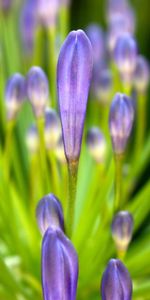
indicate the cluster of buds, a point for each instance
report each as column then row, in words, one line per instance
column 59, row 258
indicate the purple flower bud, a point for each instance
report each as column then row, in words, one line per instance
column 122, row 229
column 120, row 121
column 47, row 12
column 119, row 26
column 15, row 93
column 28, row 23
column 52, row 128
column 96, row 37
column 49, row 213
column 74, row 72
column 96, row 144
column 121, row 8
column 103, row 86
column 125, row 55
column 59, row 151
column 32, row 139
column 141, row 74
column 37, row 90
column 116, row 282
column 59, row 266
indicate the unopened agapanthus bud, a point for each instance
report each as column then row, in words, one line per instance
column 125, row 55
column 32, row 139
column 37, row 90
column 103, row 86
column 74, row 72
column 49, row 213
column 59, row 151
column 15, row 93
column 47, row 12
column 116, row 282
column 141, row 74
column 52, row 128
column 28, row 23
column 120, row 121
column 96, row 144
column 96, row 37
column 59, row 266
column 122, row 229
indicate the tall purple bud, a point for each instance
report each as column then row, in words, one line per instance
column 121, row 118
column 125, row 56
column 37, row 90
column 116, row 282
column 59, row 266
column 15, row 93
column 49, row 213
column 141, row 75
column 122, row 229
column 73, row 81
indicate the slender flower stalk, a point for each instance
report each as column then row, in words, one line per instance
column 120, row 124
column 74, row 72
column 116, row 282
column 59, row 266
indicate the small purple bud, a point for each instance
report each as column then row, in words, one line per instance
column 120, row 121
column 59, row 266
column 119, row 26
column 96, row 144
column 103, row 86
column 74, row 72
column 37, row 90
column 141, row 74
column 5, row 5
column 122, row 229
column 32, row 139
column 116, row 282
column 52, row 128
column 59, row 151
column 49, row 213
column 47, row 12
column 96, row 37
column 28, row 24
column 125, row 55
column 15, row 93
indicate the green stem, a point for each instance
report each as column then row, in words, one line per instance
column 38, row 47
column 54, row 174
column 64, row 22
column 8, row 149
column 43, row 160
column 72, row 185
column 140, row 123
column 118, row 181
column 52, row 63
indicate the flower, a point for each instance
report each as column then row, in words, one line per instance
column 74, row 72
column 125, row 55
column 116, row 282
column 52, row 128
column 49, row 213
column 121, row 118
column 96, row 144
column 59, row 266
column 47, row 12
column 15, row 93
column 122, row 229
column 37, row 90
